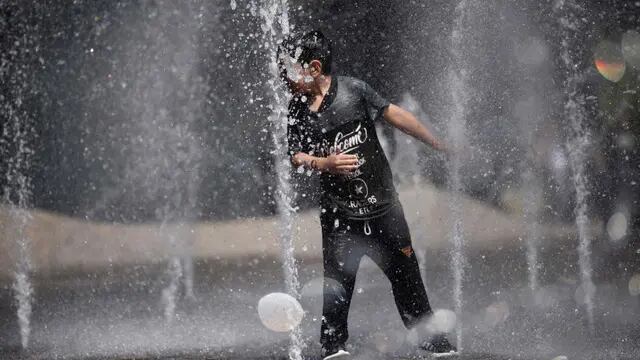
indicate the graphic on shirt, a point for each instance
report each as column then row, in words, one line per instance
column 346, row 125
column 368, row 190
column 358, row 188
column 346, row 143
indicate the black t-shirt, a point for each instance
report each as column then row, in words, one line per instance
column 345, row 123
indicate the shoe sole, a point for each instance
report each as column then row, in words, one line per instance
column 340, row 354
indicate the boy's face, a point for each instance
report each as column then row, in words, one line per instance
column 302, row 75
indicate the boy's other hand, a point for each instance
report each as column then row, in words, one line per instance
column 342, row 164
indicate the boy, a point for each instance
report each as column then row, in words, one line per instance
column 331, row 130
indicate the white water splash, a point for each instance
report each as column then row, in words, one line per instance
column 169, row 293
column 578, row 144
column 531, row 209
column 167, row 97
column 24, row 291
column 457, row 136
column 19, row 188
column 188, row 274
column 19, row 220
column 275, row 17
column 16, row 155
column 406, row 163
column 179, row 270
column 529, row 115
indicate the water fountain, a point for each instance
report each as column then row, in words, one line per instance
column 166, row 152
column 142, row 67
column 530, row 214
column 16, row 156
column 406, row 165
column 456, row 129
column 275, row 17
column 532, row 55
column 530, row 117
column 571, row 15
column 532, row 190
column 19, row 133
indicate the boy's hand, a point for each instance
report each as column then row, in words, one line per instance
column 342, row 164
column 445, row 150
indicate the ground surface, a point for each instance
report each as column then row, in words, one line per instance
column 118, row 313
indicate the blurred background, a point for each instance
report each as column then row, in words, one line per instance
column 109, row 85
column 138, row 173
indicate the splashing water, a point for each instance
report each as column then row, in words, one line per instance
column 577, row 145
column 16, row 153
column 24, row 292
column 167, row 98
column 19, row 187
column 179, row 270
column 457, row 136
column 275, row 17
column 407, row 162
column 531, row 208
column 187, row 269
column 169, row 293
column 529, row 115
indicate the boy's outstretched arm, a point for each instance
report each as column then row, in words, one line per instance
column 335, row 163
column 409, row 124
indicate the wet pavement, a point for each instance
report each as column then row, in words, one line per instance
column 118, row 313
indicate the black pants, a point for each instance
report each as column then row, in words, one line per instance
column 387, row 242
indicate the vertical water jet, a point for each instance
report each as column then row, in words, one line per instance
column 578, row 142
column 275, row 17
column 456, row 134
column 18, row 66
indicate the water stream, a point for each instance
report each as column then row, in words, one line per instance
column 456, row 134
column 16, row 154
column 275, row 17
column 578, row 143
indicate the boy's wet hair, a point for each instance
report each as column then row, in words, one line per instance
column 311, row 46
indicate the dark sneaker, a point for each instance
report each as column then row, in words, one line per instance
column 439, row 346
column 337, row 352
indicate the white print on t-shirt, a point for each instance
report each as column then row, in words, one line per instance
column 363, row 206
column 345, row 143
column 357, row 172
column 358, row 188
